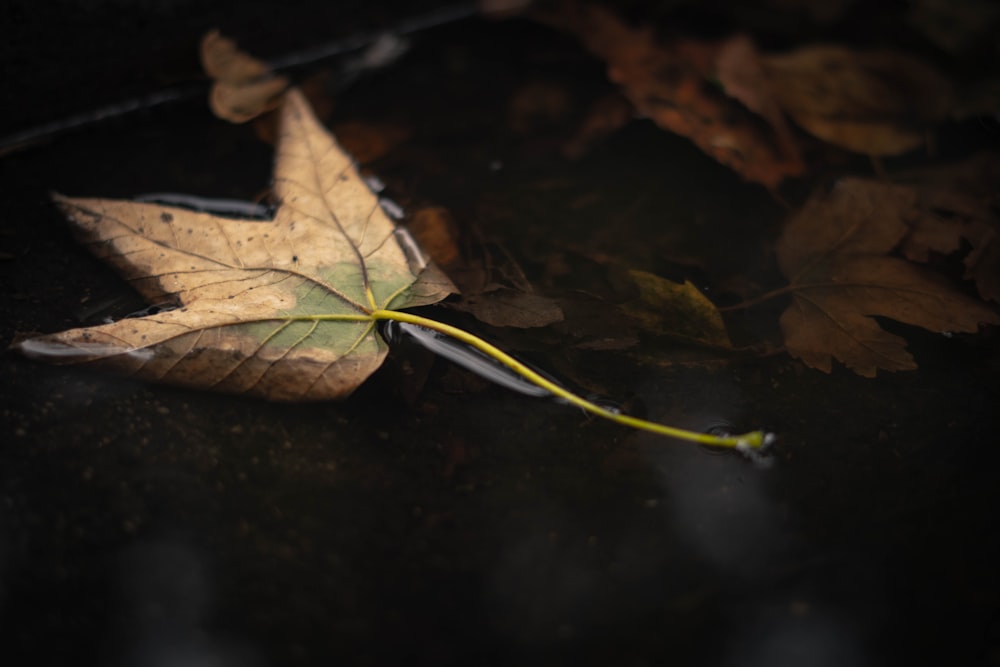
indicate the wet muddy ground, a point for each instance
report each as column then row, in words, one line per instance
column 445, row 521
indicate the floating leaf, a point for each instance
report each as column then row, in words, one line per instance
column 834, row 252
column 250, row 293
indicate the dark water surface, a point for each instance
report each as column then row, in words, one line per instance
column 455, row 523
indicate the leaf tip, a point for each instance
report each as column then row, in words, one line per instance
column 63, row 203
column 59, row 199
column 32, row 346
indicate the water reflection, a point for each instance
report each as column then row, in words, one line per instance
column 544, row 584
column 165, row 606
column 718, row 503
column 796, row 633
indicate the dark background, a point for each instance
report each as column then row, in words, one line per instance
column 456, row 523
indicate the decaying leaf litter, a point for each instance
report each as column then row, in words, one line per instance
column 851, row 254
column 739, row 104
column 837, row 254
column 755, row 120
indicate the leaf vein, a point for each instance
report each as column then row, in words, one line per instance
column 845, row 329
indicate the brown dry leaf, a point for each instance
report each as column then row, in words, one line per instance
column 259, row 301
column 956, row 203
column 244, row 86
column 680, row 311
column 872, row 102
column 501, row 298
column 669, row 83
column 740, row 71
column 507, row 307
column 436, row 231
column 498, row 295
column 834, row 252
column 593, row 323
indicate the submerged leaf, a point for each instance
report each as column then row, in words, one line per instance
column 250, row 293
column 835, row 254
column 739, row 69
column 870, row 102
column 680, row 311
column 244, row 86
column 494, row 290
column 506, row 307
column 671, row 83
column 958, row 204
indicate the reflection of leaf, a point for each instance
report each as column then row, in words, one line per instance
column 875, row 102
column 243, row 86
column 679, row 311
column 835, row 254
column 249, row 291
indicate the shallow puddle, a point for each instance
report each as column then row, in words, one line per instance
column 433, row 518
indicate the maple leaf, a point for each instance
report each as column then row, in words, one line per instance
column 279, row 309
column 835, row 252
